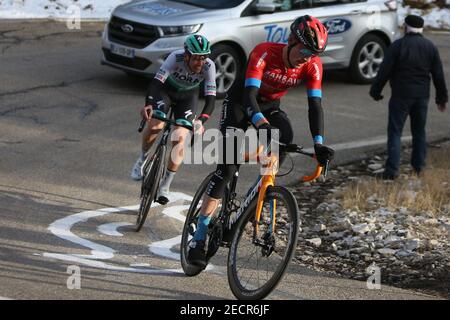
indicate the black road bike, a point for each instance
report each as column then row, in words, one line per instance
column 153, row 169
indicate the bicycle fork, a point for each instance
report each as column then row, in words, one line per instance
column 267, row 242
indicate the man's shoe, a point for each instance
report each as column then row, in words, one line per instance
column 385, row 176
column 163, row 196
column 197, row 254
column 418, row 172
column 388, row 176
column 136, row 172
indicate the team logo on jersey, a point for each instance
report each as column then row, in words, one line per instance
column 261, row 60
column 187, row 114
column 185, row 78
column 161, row 75
column 210, row 90
column 206, row 66
column 159, row 104
column 281, row 78
column 317, row 71
column 179, row 57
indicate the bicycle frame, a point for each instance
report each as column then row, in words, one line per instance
column 259, row 187
column 169, row 122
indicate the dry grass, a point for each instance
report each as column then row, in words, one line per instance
column 429, row 193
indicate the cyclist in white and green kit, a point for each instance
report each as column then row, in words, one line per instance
column 177, row 83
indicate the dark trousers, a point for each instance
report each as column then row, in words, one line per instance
column 399, row 109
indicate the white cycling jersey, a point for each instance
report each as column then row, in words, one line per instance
column 175, row 71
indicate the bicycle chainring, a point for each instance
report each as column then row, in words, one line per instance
column 215, row 238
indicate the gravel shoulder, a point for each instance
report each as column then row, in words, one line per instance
column 411, row 249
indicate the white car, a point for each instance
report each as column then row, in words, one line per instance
column 140, row 34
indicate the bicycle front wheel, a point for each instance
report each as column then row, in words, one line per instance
column 257, row 262
column 190, row 226
column 150, row 186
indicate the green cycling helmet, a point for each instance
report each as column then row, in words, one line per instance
column 197, row 45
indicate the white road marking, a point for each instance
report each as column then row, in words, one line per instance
column 364, row 143
column 61, row 228
column 162, row 248
column 139, row 265
column 3, row 298
column 174, row 212
column 101, row 265
column 380, row 140
column 110, row 229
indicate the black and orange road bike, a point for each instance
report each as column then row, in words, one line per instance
column 260, row 229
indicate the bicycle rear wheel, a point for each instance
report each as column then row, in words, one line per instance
column 190, row 226
column 255, row 269
column 150, row 186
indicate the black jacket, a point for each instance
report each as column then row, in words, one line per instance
column 408, row 64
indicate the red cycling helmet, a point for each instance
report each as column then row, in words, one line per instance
column 311, row 33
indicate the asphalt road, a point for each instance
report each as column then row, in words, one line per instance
column 68, row 140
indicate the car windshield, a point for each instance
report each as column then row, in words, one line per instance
column 212, row 4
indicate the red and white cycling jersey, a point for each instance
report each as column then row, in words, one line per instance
column 267, row 71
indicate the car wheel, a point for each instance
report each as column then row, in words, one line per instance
column 366, row 59
column 228, row 68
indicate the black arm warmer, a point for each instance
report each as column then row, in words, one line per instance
column 208, row 108
column 315, row 113
column 154, row 92
column 250, row 102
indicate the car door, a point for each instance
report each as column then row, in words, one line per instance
column 359, row 33
column 346, row 21
column 273, row 27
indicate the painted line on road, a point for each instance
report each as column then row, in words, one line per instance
column 139, row 265
column 4, row 298
column 61, row 228
column 380, row 140
column 163, row 248
column 110, row 229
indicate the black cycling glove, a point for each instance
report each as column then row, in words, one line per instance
column 323, row 154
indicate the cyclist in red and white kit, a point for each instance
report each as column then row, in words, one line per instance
column 272, row 69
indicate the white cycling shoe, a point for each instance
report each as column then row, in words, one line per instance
column 136, row 172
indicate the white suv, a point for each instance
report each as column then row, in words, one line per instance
column 140, row 34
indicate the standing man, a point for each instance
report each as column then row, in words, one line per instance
column 408, row 64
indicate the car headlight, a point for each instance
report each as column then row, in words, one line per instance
column 178, row 30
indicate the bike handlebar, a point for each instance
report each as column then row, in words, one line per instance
column 144, row 121
column 142, row 125
column 293, row 148
column 314, row 176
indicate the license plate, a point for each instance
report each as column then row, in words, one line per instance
column 122, row 51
